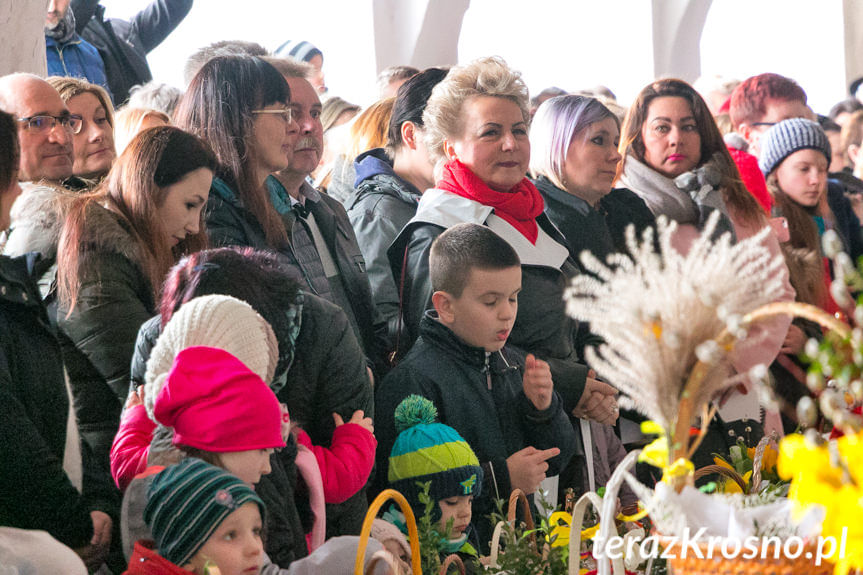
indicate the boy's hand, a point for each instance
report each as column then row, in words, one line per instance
column 537, row 383
column 359, row 417
column 527, row 467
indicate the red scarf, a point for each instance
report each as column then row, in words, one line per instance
column 519, row 207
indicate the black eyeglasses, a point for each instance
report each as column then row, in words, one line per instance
column 44, row 123
column 764, row 124
column 286, row 113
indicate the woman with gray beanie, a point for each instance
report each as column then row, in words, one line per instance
column 794, row 157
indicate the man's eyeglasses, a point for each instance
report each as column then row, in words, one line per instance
column 763, row 124
column 72, row 123
column 286, row 113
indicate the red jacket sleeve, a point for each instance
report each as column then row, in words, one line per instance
column 346, row 465
column 131, row 446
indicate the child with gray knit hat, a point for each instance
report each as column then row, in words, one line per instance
column 201, row 516
column 794, row 157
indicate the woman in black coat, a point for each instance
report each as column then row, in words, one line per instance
column 116, row 246
column 574, row 160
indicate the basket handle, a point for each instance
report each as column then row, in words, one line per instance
column 759, row 456
column 383, row 556
column 721, row 470
column 589, row 498
column 410, row 519
column 495, row 543
column 452, row 559
column 517, row 496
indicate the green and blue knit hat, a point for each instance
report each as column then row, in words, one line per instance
column 427, row 451
column 187, row 502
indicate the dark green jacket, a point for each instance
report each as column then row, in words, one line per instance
column 481, row 398
column 98, row 336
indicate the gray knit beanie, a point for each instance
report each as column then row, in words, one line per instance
column 187, row 502
column 219, row 321
column 787, row 137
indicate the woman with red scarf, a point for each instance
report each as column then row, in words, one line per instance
column 477, row 133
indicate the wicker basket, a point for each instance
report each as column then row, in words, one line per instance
column 719, row 565
column 365, row 532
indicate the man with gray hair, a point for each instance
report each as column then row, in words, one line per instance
column 325, row 246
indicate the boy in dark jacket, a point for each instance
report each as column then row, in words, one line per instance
column 501, row 402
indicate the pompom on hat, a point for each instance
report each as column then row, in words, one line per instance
column 217, row 321
column 187, row 502
column 427, row 451
column 787, row 137
column 215, row 403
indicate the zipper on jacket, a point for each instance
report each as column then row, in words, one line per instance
column 487, row 370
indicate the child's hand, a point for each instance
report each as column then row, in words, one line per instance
column 537, row 383
column 527, row 467
column 359, row 418
column 136, row 397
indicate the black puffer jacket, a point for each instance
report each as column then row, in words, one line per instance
column 124, row 45
column 542, row 326
column 328, row 376
column 36, row 493
column 481, row 398
column 98, row 335
column 381, row 206
column 600, row 231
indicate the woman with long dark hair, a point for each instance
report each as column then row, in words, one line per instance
column 116, row 247
column 674, row 158
column 240, row 105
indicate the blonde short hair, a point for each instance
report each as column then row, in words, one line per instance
column 69, row 87
column 483, row 77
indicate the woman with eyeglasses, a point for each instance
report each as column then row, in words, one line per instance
column 116, row 246
column 240, row 105
column 93, row 143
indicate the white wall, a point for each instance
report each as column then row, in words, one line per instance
column 569, row 43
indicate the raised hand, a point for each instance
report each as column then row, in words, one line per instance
column 359, row 417
column 537, row 383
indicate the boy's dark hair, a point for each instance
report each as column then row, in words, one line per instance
column 465, row 247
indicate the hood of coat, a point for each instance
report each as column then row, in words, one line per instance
column 36, row 221
column 375, row 174
column 107, row 232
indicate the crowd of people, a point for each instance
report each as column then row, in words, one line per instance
column 232, row 314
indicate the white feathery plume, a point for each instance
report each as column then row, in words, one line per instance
column 658, row 313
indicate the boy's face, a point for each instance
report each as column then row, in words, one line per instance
column 235, row 547
column 485, row 312
column 458, row 510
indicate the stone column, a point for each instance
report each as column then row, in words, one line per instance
column 677, row 27
column 22, row 43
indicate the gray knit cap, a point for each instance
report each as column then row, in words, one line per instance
column 187, row 502
column 787, row 137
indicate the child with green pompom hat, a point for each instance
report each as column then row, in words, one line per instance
column 427, row 451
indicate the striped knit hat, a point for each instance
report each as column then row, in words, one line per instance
column 787, row 137
column 186, row 504
column 299, row 49
column 428, row 451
